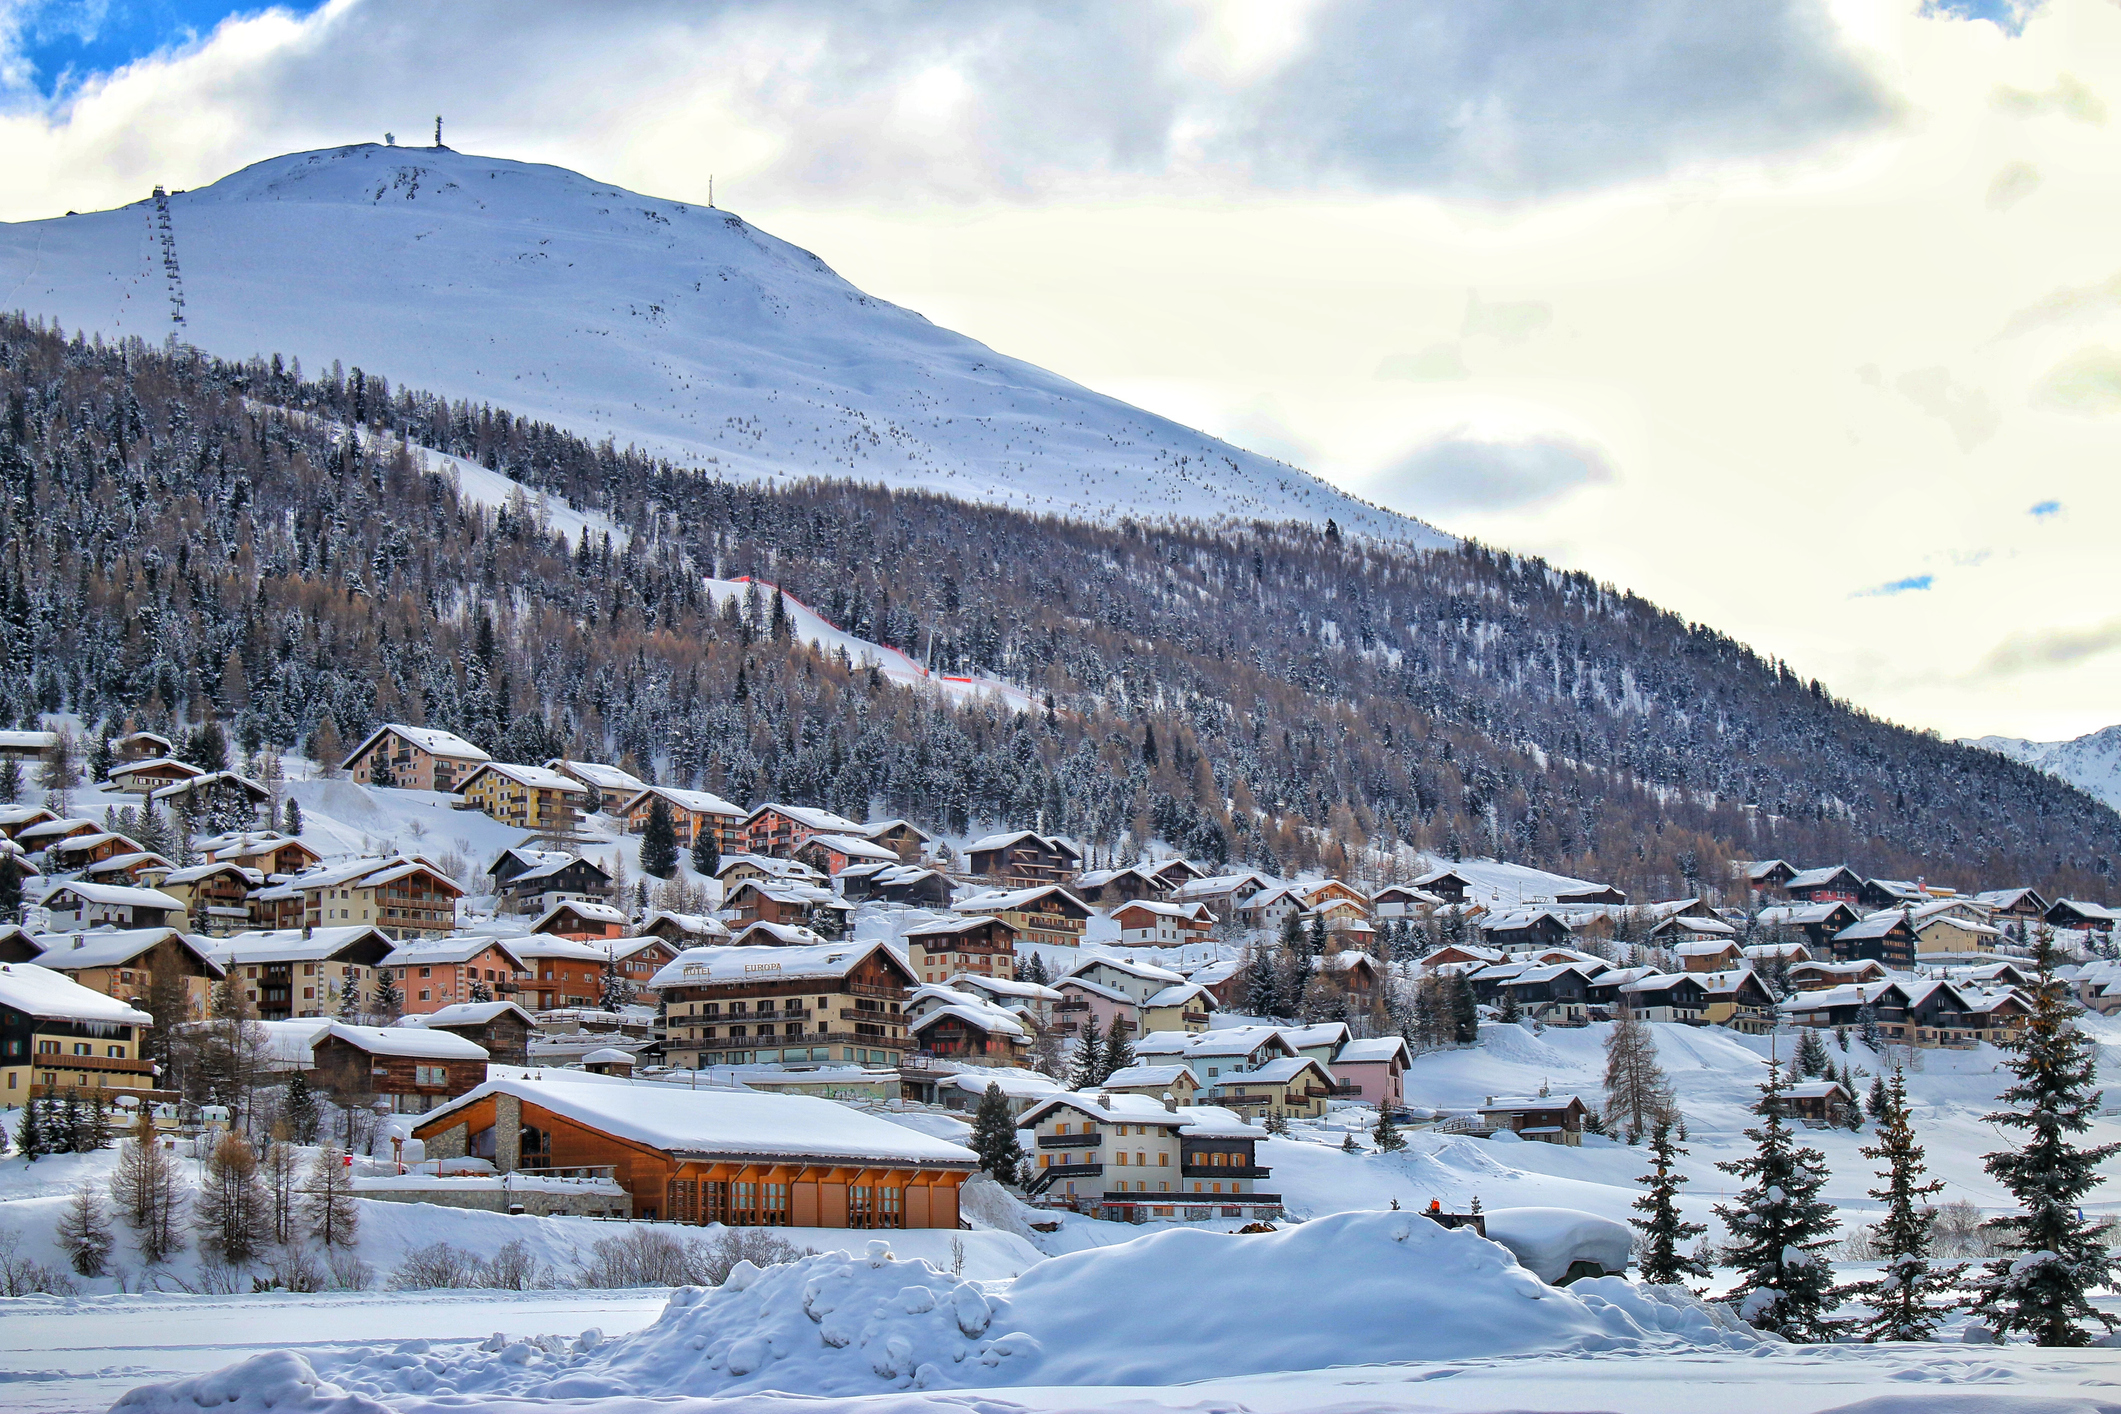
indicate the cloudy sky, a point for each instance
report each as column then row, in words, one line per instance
column 1801, row 318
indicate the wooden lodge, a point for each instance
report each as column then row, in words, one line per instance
column 710, row 1156
column 985, row 945
column 1025, row 859
column 413, row 758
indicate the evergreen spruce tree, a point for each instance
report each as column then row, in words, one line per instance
column 1909, row 1295
column 10, row 885
column 2044, row 1290
column 1385, row 1135
column 1262, row 984
column 349, row 1002
column 613, row 990
column 994, row 1136
column 1780, row 1228
column 1088, row 1068
column 1119, row 1048
column 291, row 817
column 1507, row 1009
column 299, row 1110
column 390, row 1002
column 95, row 1126
column 1811, row 1055
column 1666, row 1260
column 706, row 855
column 659, row 841
column 65, row 1121
column 380, row 775
column 29, row 1134
column 84, row 1231
column 1315, row 937
column 1880, row 1100
column 1465, row 1011
column 10, row 781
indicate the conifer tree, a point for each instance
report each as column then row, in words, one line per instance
column 10, row 781
column 299, row 1110
column 234, row 1208
column 1637, row 1093
column 10, row 885
column 282, row 1169
column 349, row 1002
column 149, row 1193
column 1088, row 1069
column 1507, row 1008
column 84, row 1231
column 291, row 817
column 328, row 1199
column 1385, row 1135
column 1119, row 1049
column 1315, row 937
column 1262, row 985
column 29, row 1134
column 1879, row 1104
column 1780, row 1228
column 659, row 841
column 994, row 1136
column 1811, row 1055
column 95, row 1126
column 1465, row 1011
column 390, row 1002
column 63, row 1123
column 613, row 990
column 1909, row 1296
column 706, row 854
column 1665, row 1260
column 2044, row 1290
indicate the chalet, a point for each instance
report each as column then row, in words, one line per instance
column 679, row 931
column 1157, row 1082
column 547, row 877
column 413, row 758
column 692, row 813
column 1024, row 858
column 1084, row 1002
column 267, row 851
column 1032, row 999
column 432, row 973
column 216, row 897
column 405, row 896
column 777, row 935
column 1708, row 954
column 144, row 870
column 711, row 1156
column 1576, row 891
column 985, row 945
column 1665, row 996
column 1837, row 884
column 1818, row 922
column 792, row 1005
column 502, row 1029
column 1353, row 975
column 1319, row 893
column 2025, row 905
column 780, row 829
column 527, row 797
column 1544, row 1119
column 895, row 883
column 1884, row 1003
column 1770, row 876
column 1513, row 928
column 1164, row 925
column 1221, row 894
column 1294, row 1087
column 1048, row 914
column 638, row 959
column 739, row 868
column 583, row 922
column 1402, row 901
column 829, row 854
column 563, row 972
column 1182, row 1006
column 78, row 906
column 1127, row 1156
column 1764, row 955
column 295, row 973
column 217, row 794
column 799, row 905
column 1738, row 999
column 2079, row 915
column 79, row 851
column 609, row 1061
column 1270, row 908
column 16, row 944
column 16, row 818
column 1376, row 1069
column 907, row 840
column 405, row 1069
column 1890, row 893
column 125, row 963
column 27, row 746
column 1137, row 981
column 1553, row 992
column 1817, row 975
column 57, row 1035
column 1948, row 931
column 1886, row 936
column 1462, row 954
column 1108, row 888
column 1220, row 1051
column 147, row 777
column 969, row 1029
column 602, row 785
column 1225, row 981
column 140, row 746
column 39, row 834
column 1446, row 884
column 1823, row 1104
column 1997, row 1017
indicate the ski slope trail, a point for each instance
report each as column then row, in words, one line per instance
column 677, row 328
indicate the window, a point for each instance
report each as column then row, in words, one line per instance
column 430, row 1075
column 1163, row 1160
column 426, row 972
column 83, row 1048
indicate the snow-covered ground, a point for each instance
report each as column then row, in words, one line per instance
column 677, row 328
column 2091, row 762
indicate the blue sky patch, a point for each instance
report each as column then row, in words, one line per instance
column 69, row 42
column 1898, row 586
column 2007, row 15
column 2046, row 509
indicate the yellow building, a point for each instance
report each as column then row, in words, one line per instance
column 527, row 797
column 57, row 1035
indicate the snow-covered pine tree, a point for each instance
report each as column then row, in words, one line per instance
column 62, row 1120
column 659, row 841
column 10, row 781
column 349, row 1002
column 1386, row 1135
column 994, row 1136
column 1880, row 1100
column 1465, row 1010
column 1780, row 1228
column 84, row 1232
column 1909, row 1295
column 29, row 1134
column 1088, row 1068
column 1315, row 936
column 291, row 817
column 1637, row 1094
column 299, row 1110
column 1507, row 1008
column 10, row 884
column 2044, row 1290
column 613, row 990
column 1665, row 1260
column 1811, row 1055
column 1262, row 984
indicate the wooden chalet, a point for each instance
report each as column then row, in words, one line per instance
column 216, row 897
column 291, row 974
column 812, row 1004
column 80, row 851
column 764, row 901
column 561, row 971
column 902, row 837
column 40, row 834
column 2080, row 915
column 431, row 973
column 413, row 758
column 57, row 1035
column 710, row 1156
column 502, row 1029
column 2024, row 905
column 679, row 931
column 1544, row 1119
column 1816, row 922
column 148, row 776
column 79, row 905
column 1109, row 888
column 1887, row 936
column 1836, row 884
column 27, row 746
column 1517, row 928
column 140, row 746
column 1822, row 1104
column 1401, row 901
column 603, row 785
column 1151, row 923
column 829, row 854
column 1048, row 914
column 780, row 830
column 14, row 819
column 895, row 883
column 1769, row 876
column 405, row 1069
column 125, row 963
column 583, row 922
column 692, row 812
column 1024, row 858
column 1446, row 884
column 978, row 1032
column 1738, row 999
column 985, row 945
column 548, row 875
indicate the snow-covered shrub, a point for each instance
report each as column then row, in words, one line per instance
column 513, row 1268
column 21, row 1276
column 437, row 1266
column 348, row 1272
column 652, row 1257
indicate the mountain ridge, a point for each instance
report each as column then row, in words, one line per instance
column 2091, row 763
column 679, row 329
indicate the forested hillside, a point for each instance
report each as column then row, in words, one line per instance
column 186, row 537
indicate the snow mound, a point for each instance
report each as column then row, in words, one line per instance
column 1549, row 1240
column 278, row 1380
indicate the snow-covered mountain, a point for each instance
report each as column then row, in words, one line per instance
column 678, row 328
column 2092, row 762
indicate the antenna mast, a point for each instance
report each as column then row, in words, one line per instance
column 438, row 130
column 710, row 191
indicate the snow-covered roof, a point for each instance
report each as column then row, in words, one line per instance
column 1796, row 915
column 771, row 865
column 432, row 740
column 460, row 947
column 469, row 1014
column 114, row 947
column 1095, row 989
column 158, row 763
column 605, row 778
column 1878, row 925
column 697, row 924
column 1320, row 1035
column 1222, row 1041
column 1707, row 947
column 2094, row 912
column 536, row 946
column 854, row 847
column 1005, row 987
column 874, row 828
column 73, row 843
column 197, row 872
column 1016, row 1084
column 181, row 789
column 1180, row 993
column 719, row 1123
column 1007, row 838
column 1146, row 971
column 418, row 1042
column 1191, row 912
column 1114, row 1108
column 1217, row 972
column 953, row 927
column 1011, row 900
column 697, row 967
column 54, row 826
column 1815, row 1089
column 809, row 817
column 53, row 996
column 1848, row 994
column 1149, row 1077
column 536, row 777
column 699, row 802
column 1279, row 1071
column 28, row 740
column 1815, row 878
column 1660, row 981
column 1372, row 1049
column 112, row 896
column 972, row 1012
column 584, row 910
column 781, row 935
column 609, row 1055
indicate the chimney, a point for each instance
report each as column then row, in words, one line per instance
column 1170, row 1104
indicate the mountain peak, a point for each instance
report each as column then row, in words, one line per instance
column 678, row 328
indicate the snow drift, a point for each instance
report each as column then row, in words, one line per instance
column 675, row 327
column 1170, row 1307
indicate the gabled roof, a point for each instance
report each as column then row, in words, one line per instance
column 432, row 740
column 1373, row 1049
column 983, row 1016
column 158, row 763
column 783, row 935
column 1011, row 900
column 1279, row 1071
column 297, row 944
column 1150, row 1077
column 97, row 840
column 181, row 789
column 462, row 947
column 113, row 947
column 771, row 865
column 470, row 1014
column 1147, row 971
column 612, row 779
column 697, row 967
column 1191, row 912
column 535, row 946
column 877, row 827
column 809, row 817
column 112, row 896
column 252, row 878
column 414, row 1041
column 1114, row 1108
column 1878, row 925
column 1818, row 878
column 853, row 846
column 954, row 927
column 1180, row 993
column 698, row 925
column 1013, row 988
column 587, row 912
column 1054, row 844
column 535, row 777
column 53, row 996
column 699, row 802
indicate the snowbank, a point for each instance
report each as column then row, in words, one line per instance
column 1175, row 1306
column 1548, row 1240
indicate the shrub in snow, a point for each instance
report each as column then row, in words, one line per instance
column 22, row 1276
column 436, row 1266
column 84, row 1231
column 646, row 1256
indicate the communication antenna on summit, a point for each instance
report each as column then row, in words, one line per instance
column 710, row 191
column 438, row 130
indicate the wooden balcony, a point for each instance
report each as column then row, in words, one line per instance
column 1070, row 1141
